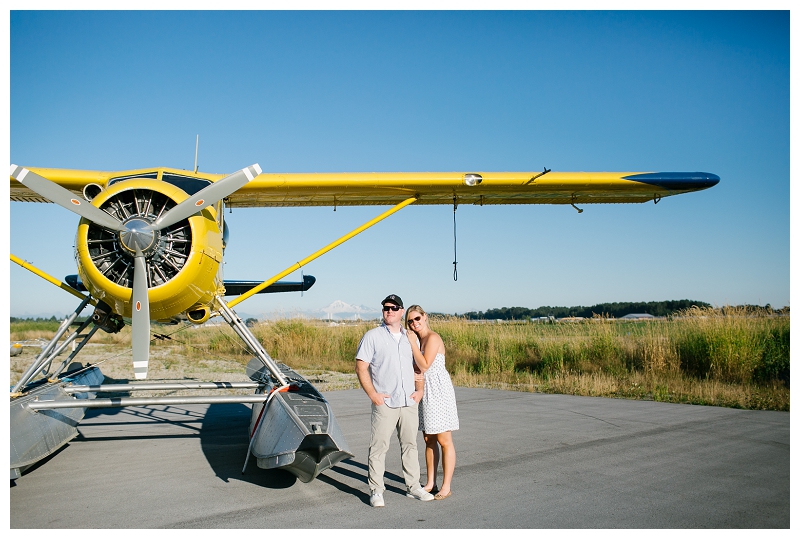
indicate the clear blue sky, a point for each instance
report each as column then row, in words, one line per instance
column 428, row 91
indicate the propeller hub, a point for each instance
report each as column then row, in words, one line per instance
column 138, row 235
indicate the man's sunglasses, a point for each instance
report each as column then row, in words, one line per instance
column 387, row 308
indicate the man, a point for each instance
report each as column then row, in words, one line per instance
column 385, row 369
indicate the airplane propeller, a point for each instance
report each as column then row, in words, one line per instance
column 140, row 317
column 64, row 198
column 137, row 235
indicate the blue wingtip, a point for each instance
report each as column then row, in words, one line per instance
column 677, row 181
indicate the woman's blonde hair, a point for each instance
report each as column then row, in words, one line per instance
column 412, row 309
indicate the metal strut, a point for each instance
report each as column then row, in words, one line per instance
column 298, row 265
column 79, row 340
column 122, row 402
column 50, row 351
column 247, row 336
column 158, row 386
column 49, row 278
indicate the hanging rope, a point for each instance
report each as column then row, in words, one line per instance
column 455, row 242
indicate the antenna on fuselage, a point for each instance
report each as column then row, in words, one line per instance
column 196, row 146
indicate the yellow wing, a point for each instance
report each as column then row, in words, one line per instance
column 382, row 188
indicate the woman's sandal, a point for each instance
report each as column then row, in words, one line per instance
column 442, row 496
column 433, row 490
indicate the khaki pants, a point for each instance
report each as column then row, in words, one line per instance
column 405, row 421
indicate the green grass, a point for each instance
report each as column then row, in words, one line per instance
column 724, row 357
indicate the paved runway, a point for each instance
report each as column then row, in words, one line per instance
column 524, row 461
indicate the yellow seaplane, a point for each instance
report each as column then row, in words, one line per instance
column 150, row 246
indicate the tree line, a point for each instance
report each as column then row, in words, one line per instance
column 37, row 319
column 615, row 310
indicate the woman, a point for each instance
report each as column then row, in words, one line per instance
column 438, row 416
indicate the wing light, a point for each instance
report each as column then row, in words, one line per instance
column 472, row 179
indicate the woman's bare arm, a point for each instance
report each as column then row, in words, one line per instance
column 424, row 361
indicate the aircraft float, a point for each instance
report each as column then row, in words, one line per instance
column 150, row 246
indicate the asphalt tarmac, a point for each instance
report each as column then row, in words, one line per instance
column 524, row 461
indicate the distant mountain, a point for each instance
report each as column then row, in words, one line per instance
column 340, row 309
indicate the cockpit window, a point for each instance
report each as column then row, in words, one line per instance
column 188, row 184
column 143, row 176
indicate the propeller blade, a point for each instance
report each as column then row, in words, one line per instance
column 208, row 196
column 140, row 317
column 57, row 194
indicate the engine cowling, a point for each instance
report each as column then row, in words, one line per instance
column 182, row 260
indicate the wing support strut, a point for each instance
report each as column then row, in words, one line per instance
column 52, row 349
column 50, row 279
column 247, row 336
column 298, row 265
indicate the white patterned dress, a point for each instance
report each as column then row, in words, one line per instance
column 437, row 409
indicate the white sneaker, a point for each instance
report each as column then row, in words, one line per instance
column 376, row 499
column 420, row 494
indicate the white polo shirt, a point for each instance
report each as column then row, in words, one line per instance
column 391, row 364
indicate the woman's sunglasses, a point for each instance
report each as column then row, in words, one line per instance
column 417, row 319
column 387, row 308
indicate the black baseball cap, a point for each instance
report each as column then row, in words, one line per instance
column 391, row 298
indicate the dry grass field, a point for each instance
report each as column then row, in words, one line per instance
column 724, row 357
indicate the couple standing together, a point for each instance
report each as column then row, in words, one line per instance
column 405, row 402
